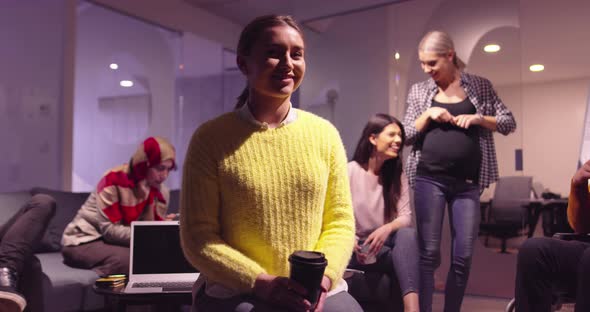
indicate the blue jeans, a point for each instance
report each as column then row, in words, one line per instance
column 462, row 200
column 398, row 258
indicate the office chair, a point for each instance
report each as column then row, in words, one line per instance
column 506, row 214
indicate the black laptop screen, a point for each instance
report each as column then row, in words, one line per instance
column 156, row 250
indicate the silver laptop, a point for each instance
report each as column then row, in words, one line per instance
column 157, row 263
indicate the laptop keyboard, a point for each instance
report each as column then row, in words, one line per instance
column 165, row 285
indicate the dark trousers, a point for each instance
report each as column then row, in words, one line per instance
column 18, row 239
column 20, row 235
column 545, row 264
column 103, row 258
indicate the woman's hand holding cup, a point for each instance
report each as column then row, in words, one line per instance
column 360, row 257
column 363, row 253
column 281, row 291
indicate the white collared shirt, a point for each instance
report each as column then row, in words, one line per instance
column 245, row 113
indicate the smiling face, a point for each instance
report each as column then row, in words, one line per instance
column 437, row 66
column 275, row 65
column 388, row 142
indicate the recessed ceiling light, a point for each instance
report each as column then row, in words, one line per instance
column 491, row 48
column 113, row 66
column 126, row 83
column 536, row 67
column 396, row 55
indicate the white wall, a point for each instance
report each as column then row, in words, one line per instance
column 550, row 118
column 406, row 24
column 31, row 93
column 553, row 116
column 351, row 56
column 506, row 145
column 201, row 91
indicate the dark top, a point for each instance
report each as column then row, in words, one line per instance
column 449, row 151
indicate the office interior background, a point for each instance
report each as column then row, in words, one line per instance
column 83, row 82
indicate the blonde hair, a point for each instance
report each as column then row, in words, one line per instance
column 440, row 42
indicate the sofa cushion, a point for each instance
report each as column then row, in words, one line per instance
column 68, row 204
column 66, row 288
column 10, row 203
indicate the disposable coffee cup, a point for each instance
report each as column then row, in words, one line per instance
column 369, row 259
column 307, row 268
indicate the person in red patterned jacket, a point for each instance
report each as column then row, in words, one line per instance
column 98, row 236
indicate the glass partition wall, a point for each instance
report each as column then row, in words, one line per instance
column 134, row 79
column 124, row 89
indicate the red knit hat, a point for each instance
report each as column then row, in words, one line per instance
column 152, row 152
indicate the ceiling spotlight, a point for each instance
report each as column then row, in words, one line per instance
column 536, row 68
column 491, row 48
column 126, row 83
column 396, row 55
column 113, row 66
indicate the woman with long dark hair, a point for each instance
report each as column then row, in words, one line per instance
column 380, row 196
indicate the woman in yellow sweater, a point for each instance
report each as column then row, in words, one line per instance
column 263, row 181
column 544, row 263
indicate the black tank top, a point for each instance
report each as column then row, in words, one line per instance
column 450, row 151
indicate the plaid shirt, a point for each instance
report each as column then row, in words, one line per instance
column 486, row 102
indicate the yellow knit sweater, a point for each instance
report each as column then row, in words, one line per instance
column 251, row 197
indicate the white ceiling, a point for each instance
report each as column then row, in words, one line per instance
column 552, row 33
column 243, row 11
